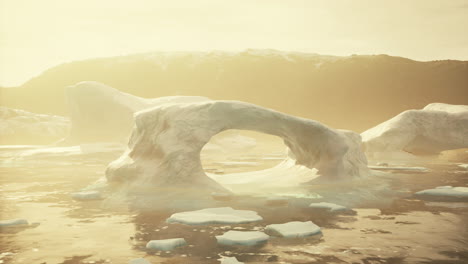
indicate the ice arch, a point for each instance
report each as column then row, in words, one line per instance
column 164, row 149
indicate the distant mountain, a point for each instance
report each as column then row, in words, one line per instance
column 354, row 92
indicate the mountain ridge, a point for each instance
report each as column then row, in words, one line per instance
column 330, row 89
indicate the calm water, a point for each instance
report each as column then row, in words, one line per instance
column 389, row 226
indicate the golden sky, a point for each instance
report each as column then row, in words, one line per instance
column 38, row 34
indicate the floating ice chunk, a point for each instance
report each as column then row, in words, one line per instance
column 229, row 260
column 166, row 244
column 445, row 191
column 221, row 215
column 331, row 207
column 14, row 222
column 242, row 238
column 87, row 195
column 464, row 166
column 294, row 229
column 139, row 261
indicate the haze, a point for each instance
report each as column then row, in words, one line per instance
column 36, row 35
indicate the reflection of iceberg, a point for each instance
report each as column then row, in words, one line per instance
column 164, row 149
column 429, row 131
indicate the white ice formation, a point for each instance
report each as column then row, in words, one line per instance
column 428, row 131
column 100, row 113
column 229, row 260
column 222, row 215
column 331, row 207
column 166, row 244
column 22, row 127
column 164, row 149
column 294, row 229
column 445, row 192
column 242, row 238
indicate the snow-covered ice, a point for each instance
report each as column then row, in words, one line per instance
column 139, row 261
column 87, row 195
column 221, row 215
column 14, row 222
column 445, row 191
column 242, row 238
column 331, row 207
column 294, row 229
column 435, row 128
column 166, row 244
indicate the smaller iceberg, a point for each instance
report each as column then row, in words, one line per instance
column 166, row 244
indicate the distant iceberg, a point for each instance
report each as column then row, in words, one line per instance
column 428, row 131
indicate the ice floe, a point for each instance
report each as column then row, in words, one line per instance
column 229, row 260
column 294, row 229
column 242, row 238
column 14, row 222
column 166, row 244
column 331, row 207
column 221, row 215
column 139, row 261
column 445, row 192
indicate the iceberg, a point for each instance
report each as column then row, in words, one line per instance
column 166, row 244
column 23, row 127
column 164, row 149
column 435, row 128
column 100, row 113
column 222, row 215
column 242, row 238
column 294, row 229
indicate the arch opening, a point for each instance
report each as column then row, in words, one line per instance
column 238, row 151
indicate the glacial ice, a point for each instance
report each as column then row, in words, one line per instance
column 14, row 222
column 294, row 229
column 242, row 238
column 464, row 166
column 164, row 149
column 445, row 191
column 221, row 215
column 166, row 244
column 331, row 207
column 435, row 128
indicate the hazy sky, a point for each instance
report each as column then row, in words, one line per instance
column 38, row 34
